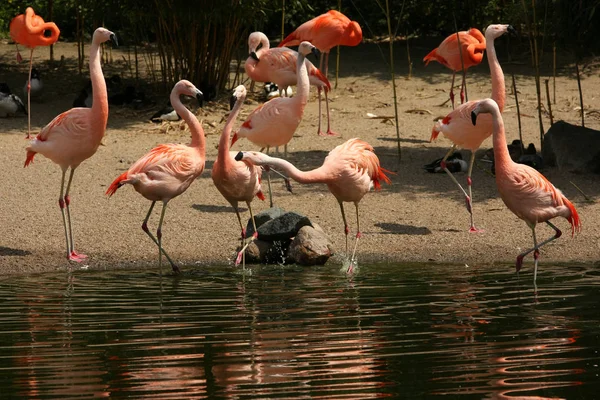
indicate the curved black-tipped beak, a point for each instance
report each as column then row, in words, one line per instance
column 200, row 98
column 239, row 156
column 473, row 117
column 232, row 101
column 316, row 52
column 254, row 56
column 113, row 38
column 511, row 30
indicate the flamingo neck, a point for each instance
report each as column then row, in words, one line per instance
column 100, row 96
column 303, row 84
column 318, row 175
column 498, row 89
column 264, row 40
column 502, row 158
column 198, row 140
column 224, row 141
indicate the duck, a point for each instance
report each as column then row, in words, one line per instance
column 272, row 90
column 36, row 84
column 519, row 154
column 167, row 113
column 10, row 105
column 454, row 163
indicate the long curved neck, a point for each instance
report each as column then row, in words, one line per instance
column 318, row 175
column 303, row 84
column 100, row 104
column 502, row 158
column 198, row 139
column 224, row 141
column 498, row 89
column 264, row 40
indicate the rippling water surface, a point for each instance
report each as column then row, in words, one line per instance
column 399, row 331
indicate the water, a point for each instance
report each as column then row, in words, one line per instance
column 398, row 331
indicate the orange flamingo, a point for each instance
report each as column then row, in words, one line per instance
column 236, row 180
column 349, row 170
column 274, row 122
column 457, row 126
column 472, row 45
column 326, row 32
column 167, row 170
column 526, row 192
column 74, row 136
column 279, row 66
column 30, row 30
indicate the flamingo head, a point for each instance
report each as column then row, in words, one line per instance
column 102, row 35
column 495, row 31
column 253, row 157
column 306, row 48
column 187, row 88
column 483, row 106
column 239, row 94
column 352, row 35
column 255, row 40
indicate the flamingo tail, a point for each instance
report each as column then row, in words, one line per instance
column 322, row 78
column 381, row 176
column 290, row 40
column 29, row 158
column 117, row 183
column 574, row 218
column 260, row 195
column 432, row 56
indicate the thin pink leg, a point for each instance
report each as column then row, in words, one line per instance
column 319, row 131
column 452, row 89
column 329, row 131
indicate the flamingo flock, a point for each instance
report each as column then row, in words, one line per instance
column 350, row 170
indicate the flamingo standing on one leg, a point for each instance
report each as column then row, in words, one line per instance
column 75, row 135
column 278, row 65
column 274, row 122
column 326, row 32
column 472, row 45
column 349, row 170
column 30, row 30
column 236, row 180
column 457, row 126
column 167, row 170
column 526, row 192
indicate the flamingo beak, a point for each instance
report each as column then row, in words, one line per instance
column 474, row 117
column 254, row 56
column 199, row 97
column 232, row 101
column 315, row 51
column 511, row 30
column 113, row 39
column 239, row 156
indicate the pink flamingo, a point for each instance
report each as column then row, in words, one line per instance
column 457, row 126
column 74, row 136
column 274, row 122
column 167, row 170
column 349, row 170
column 279, row 66
column 326, row 32
column 236, row 180
column 30, row 30
column 448, row 53
column 526, row 192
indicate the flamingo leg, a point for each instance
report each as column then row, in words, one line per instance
column 463, row 90
column 321, row 57
column 452, row 89
column 254, row 237
column 329, row 131
column 445, row 168
column 269, row 184
column 326, row 63
column 73, row 254
column 159, row 235
column 319, row 131
column 145, row 229
column 536, row 247
column 61, row 204
column 358, row 235
column 469, row 200
column 346, row 229
column 243, row 254
column 29, row 96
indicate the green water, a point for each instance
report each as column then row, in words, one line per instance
column 393, row 331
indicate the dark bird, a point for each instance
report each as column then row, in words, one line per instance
column 454, row 163
column 167, row 113
column 36, row 84
column 10, row 104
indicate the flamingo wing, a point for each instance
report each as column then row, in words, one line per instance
column 458, row 127
column 74, row 123
column 176, row 160
column 273, row 113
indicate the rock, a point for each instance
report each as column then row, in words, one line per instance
column 263, row 217
column 256, row 251
column 310, row 247
column 283, row 227
column 572, row 148
column 260, row 251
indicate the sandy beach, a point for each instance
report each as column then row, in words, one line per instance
column 420, row 217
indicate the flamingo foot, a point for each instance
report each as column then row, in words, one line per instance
column 320, row 133
column 331, row 133
column 469, row 204
column 238, row 259
column 519, row 263
column 77, row 257
column 175, row 269
column 473, row 229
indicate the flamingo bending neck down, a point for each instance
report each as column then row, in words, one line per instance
column 449, row 54
column 526, row 192
column 349, row 171
column 457, row 126
column 168, row 169
column 273, row 123
column 278, row 65
column 236, row 180
column 74, row 136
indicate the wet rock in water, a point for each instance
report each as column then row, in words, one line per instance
column 572, row 148
column 263, row 217
column 310, row 247
column 256, row 251
column 283, row 227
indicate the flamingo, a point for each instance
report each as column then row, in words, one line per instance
column 349, row 170
column 472, row 45
column 74, row 136
column 167, row 170
column 30, row 30
column 526, row 192
column 236, row 180
column 326, row 32
column 279, row 66
column 457, row 126
column 274, row 122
